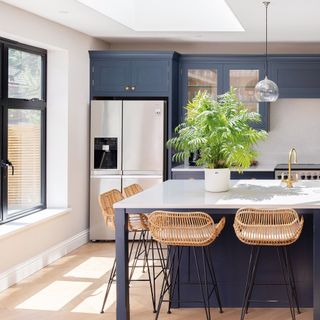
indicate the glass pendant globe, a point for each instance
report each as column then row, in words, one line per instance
column 266, row 91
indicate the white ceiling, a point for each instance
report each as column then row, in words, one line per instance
column 289, row 21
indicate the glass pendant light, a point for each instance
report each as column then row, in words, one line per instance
column 266, row 90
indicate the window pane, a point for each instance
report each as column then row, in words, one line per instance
column 24, row 75
column 244, row 82
column 24, row 151
column 202, row 80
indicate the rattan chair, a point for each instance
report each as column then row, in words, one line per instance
column 135, row 225
column 155, row 251
column 269, row 227
column 179, row 230
column 138, row 220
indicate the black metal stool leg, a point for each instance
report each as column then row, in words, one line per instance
column 160, row 254
column 249, row 281
column 166, row 278
column 254, row 272
column 162, row 258
column 292, row 280
column 179, row 258
column 136, row 255
column 111, row 279
column 206, row 279
column 189, row 264
column 153, row 274
column 201, row 286
column 148, row 270
column 132, row 244
column 175, row 278
column 286, row 280
column 146, row 235
column 113, row 273
column 244, row 303
column 212, row 274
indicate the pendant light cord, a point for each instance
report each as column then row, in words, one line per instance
column 266, row 3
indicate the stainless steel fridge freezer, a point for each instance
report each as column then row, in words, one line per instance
column 126, row 146
column 143, row 135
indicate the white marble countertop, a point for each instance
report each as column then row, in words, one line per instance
column 183, row 167
column 189, row 194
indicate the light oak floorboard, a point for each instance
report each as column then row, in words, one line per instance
column 73, row 287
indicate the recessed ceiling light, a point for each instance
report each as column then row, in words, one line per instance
column 63, row 11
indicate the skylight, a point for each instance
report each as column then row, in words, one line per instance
column 169, row 15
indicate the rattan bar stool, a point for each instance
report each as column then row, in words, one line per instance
column 155, row 250
column 179, row 230
column 136, row 224
column 269, row 227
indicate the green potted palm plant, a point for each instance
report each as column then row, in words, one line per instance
column 221, row 130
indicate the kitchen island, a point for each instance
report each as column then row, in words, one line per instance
column 189, row 195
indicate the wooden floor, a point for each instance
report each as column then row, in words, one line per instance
column 72, row 288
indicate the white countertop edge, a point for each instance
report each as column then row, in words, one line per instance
column 223, row 206
column 34, row 219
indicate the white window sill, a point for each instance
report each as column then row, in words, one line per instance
column 31, row 220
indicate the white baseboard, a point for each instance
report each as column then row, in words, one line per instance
column 25, row 269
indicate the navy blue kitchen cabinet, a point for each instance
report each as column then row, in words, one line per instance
column 194, row 174
column 296, row 76
column 181, row 175
column 143, row 75
column 130, row 74
column 243, row 77
column 216, row 74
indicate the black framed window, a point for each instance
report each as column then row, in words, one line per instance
column 23, row 129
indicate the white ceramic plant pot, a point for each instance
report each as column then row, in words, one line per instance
column 217, row 180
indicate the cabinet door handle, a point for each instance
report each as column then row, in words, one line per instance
column 127, row 88
column 133, row 88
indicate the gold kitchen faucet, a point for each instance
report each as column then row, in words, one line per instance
column 291, row 159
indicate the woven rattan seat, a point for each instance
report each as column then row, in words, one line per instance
column 107, row 199
column 137, row 220
column 267, row 227
column 184, row 229
column 132, row 190
column 136, row 225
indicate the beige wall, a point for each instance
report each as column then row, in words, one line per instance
column 293, row 123
column 217, row 48
column 68, row 122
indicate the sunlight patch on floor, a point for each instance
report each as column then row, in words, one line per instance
column 93, row 268
column 93, row 303
column 54, row 296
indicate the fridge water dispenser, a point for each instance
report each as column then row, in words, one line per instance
column 105, row 153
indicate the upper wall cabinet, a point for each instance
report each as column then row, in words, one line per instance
column 243, row 77
column 296, row 76
column 217, row 74
column 130, row 74
column 195, row 77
